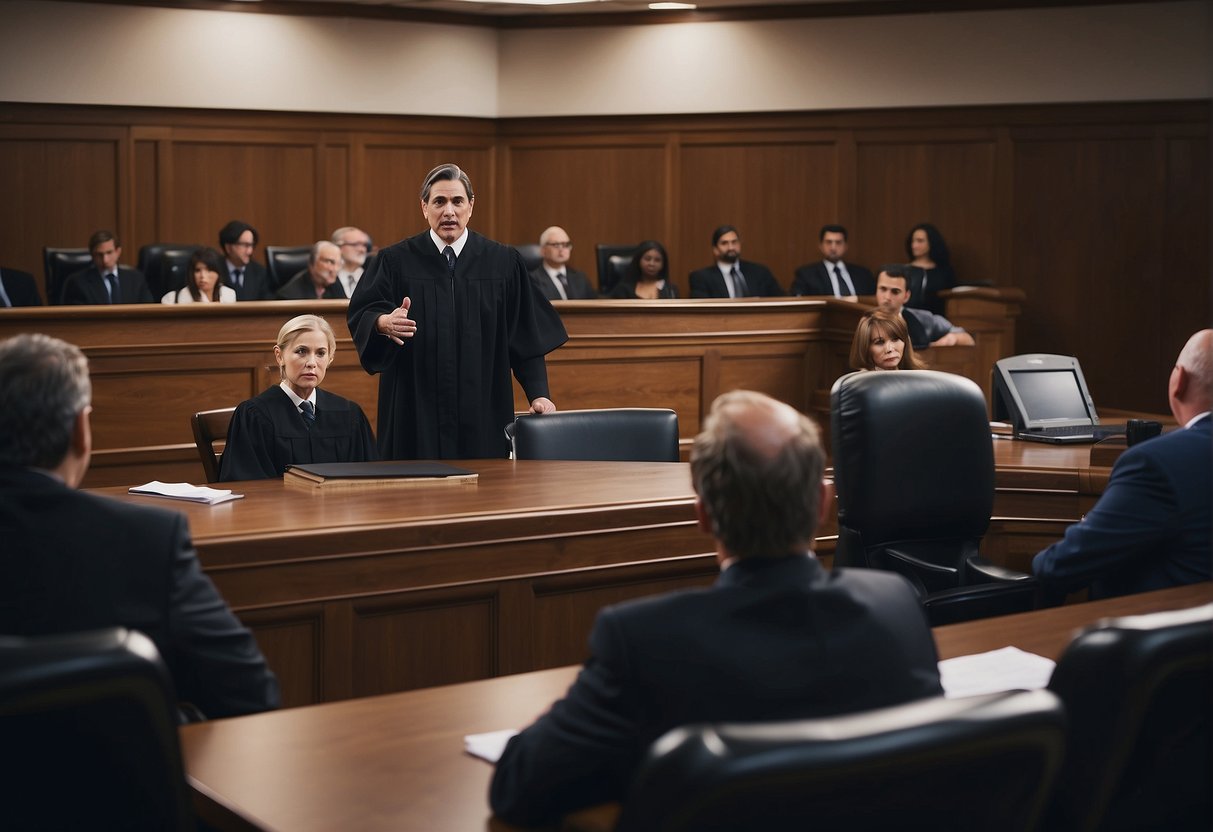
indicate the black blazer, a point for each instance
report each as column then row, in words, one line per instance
column 255, row 285
column 579, row 284
column 812, row 279
column 20, row 288
column 760, row 283
column 78, row 561
column 300, row 287
column 774, row 638
column 86, row 287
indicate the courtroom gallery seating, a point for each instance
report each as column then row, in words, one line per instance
column 58, row 264
column 209, row 427
column 284, row 262
column 631, row 434
column 530, row 255
column 914, row 471
column 983, row 762
column 89, row 732
column 613, row 262
column 164, row 266
column 1139, row 698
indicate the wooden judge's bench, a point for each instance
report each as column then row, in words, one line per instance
column 360, row 592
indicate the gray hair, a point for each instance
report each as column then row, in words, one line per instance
column 316, row 247
column 761, row 488
column 44, row 385
column 448, row 172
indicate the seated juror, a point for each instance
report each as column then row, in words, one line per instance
column 75, row 561
column 319, row 279
column 1150, row 528
column 926, row 329
column 295, row 422
column 203, row 283
column 105, row 281
column 732, row 277
column 776, row 637
column 553, row 277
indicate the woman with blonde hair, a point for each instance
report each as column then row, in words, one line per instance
column 295, row 422
column 882, row 342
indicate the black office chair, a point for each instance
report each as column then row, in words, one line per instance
column 209, row 427
column 613, row 263
column 284, row 262
column 531, row 255
column 984, row 762
column 58, row 264
column 164, row 266
column 89, row 733
column 1139, row 697
column 635, row 434
column 914, row 472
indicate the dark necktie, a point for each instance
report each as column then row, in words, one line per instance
column 449, row 254
column 739, row 286
column 308, row 411
column 238, row 278
column 844, row 288
column 111, row 286
column 564, row 284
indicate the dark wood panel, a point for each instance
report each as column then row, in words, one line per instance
column 292, row 640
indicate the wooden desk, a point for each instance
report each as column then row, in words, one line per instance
column 395, row 762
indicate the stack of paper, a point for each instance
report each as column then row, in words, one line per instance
column 185, row 491
column 1006, row 669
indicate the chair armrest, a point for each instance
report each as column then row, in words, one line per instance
column 982, row 571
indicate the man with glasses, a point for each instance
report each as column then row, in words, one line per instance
column 553, row 277
column 244, row 274
column 355, row 244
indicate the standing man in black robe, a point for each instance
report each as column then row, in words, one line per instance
column 444, row 317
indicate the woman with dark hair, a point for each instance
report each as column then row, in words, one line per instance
column 882, row 342
column 202, row 281
column 930, row 267
column 647, row 274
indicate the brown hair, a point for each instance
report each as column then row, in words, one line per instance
column 891, row 326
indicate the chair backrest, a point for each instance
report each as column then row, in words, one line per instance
column 210, row 426
column 914, row 472
column 284, row 262
column 613, row 263
column 636, row 434
column 1140, row 703
column 58, row 264
column 89, row 731
column 164, row 266
column 531, row 255
column 984, row 762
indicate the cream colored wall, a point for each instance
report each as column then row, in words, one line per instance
column 108, row 54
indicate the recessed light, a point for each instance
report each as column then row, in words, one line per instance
column 661, row 7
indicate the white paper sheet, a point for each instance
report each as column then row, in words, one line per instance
column 185, row 491
column 1008, row 668
column 488, row 746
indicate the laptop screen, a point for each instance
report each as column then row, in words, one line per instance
column 1050, row 395
column 1039, row 391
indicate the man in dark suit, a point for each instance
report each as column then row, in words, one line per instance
column 833, row 276
column 244, row 274
column 319, row 279
column 105, row 281
column 732, row 277
column 553, row 277
column 75, row 561
column 1150, row 528
column 777, row 637
column 18, row 289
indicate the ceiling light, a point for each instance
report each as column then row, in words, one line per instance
column 661, row 7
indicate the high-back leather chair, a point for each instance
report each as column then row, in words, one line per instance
column 531, row 255
column 58, row 264
column 613, row 263
column 209, row 427
column 1140, row 703
column 914, row 472
column 89, row 731
column 284, row 262
column 984, row 762
column 635, row 434
column 164, row 266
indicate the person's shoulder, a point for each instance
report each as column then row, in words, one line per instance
column 131, row 515
column 333, row 401
column 227, row 294
column 127, row 271
column 809, row 268
column 750, row 264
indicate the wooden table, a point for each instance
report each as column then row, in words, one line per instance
column 395, row 762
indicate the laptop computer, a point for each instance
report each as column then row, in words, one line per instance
column 1046, row 399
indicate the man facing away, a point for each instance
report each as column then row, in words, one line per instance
column 355, row 244
column 732, row 277
column 105, row 281
column 444, row 318
column 1150, row 528
column 75, row 561
column 553, row 277
column 776, row 637
column 319, row 279
column 832, row 275
column 926, row 328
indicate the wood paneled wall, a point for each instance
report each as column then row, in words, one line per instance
column 1100, row 213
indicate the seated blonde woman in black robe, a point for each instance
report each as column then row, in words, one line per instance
column 295, row 422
